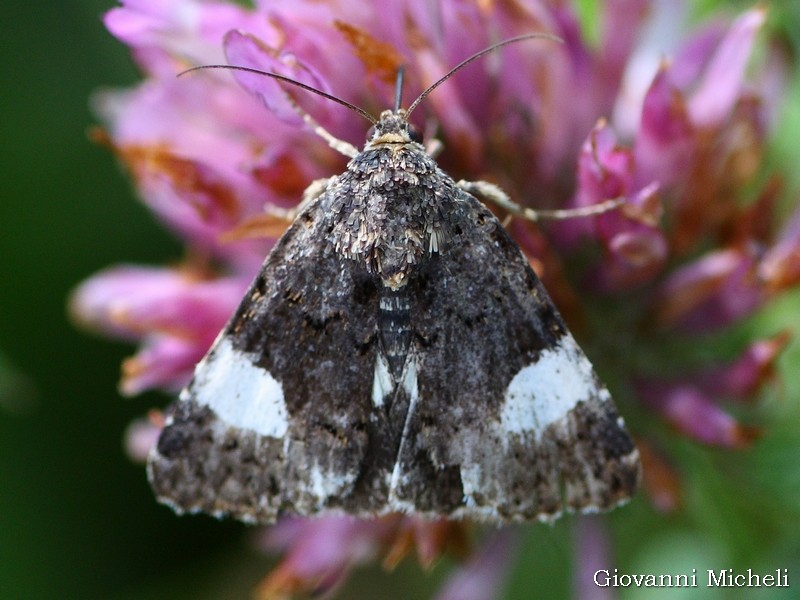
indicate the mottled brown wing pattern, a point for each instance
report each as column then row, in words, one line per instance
column 511, row 423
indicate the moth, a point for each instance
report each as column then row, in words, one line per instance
column 396, row 353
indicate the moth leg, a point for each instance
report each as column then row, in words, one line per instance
column 494, row 194
column 340, row 146
column 315, row 189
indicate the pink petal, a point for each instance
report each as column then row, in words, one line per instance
column 162, row 362
column 592, row 549
column 245, row 50
column 457, row 123
column 664, row 142
column 134, row 301
column 321, row 552
column 141, row 436
column 483, row 577
column 742, row 377
column 192, row 168
column 695, row 414
column 709, row 293
column 696, row 52
column 605, row 171
column 636, row 254
column 636, row 248
column 164, row 34
column 622, row 21
column 722, row 80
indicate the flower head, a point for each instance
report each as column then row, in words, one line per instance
column 677, row 129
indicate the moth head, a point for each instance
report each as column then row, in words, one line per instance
column 393, row 127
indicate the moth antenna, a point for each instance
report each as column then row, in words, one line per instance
column 398, row 87
column 476, row 56
column 288, row 80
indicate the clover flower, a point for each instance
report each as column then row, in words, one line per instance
column 677, row 130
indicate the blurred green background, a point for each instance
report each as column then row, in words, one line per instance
column 77, row 519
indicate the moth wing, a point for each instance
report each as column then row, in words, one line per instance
column 278, row 414
column 511, row 422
